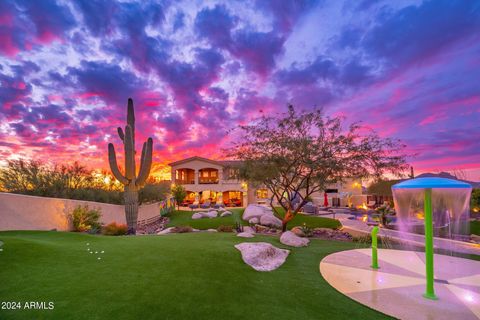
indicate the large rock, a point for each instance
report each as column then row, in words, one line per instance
column 210, row 214
column 197, row 215
column 255, row 211
column 475, row 238
column 226, row 214
column 271, row 221
column 262, row 256
column 254, row 220
column 245, row 235
column 291, row 239
column 248, row 229
column 165, row 231
column 298, row 231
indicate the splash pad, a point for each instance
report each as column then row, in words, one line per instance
column 433, row 207
column 396, row 287
column 442, row 205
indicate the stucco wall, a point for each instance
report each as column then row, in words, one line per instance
column 21, row 212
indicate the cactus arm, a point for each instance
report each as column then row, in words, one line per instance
column 142, row 157
column 112, row 159
column 120, row 133
column 129, row 154
column 131, row 118
column 146, row 164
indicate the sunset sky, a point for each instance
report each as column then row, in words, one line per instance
column 195, row 69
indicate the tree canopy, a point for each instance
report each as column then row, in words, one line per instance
column 296, row 154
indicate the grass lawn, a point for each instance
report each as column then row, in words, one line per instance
column 312, row 222
column 184, row 218
column 475, row 227
column 177, row 276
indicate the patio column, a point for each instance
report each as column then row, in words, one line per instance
column 196, row 176
column 173, row 176
column 220, row 176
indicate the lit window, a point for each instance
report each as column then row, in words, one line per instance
column 262, row 193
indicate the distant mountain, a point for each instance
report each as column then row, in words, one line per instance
column 447, row 176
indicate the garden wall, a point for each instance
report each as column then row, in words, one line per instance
column 21, row 212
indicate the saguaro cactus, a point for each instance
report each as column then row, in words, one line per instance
column 130, row 180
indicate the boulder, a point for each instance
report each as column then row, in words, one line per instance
column 298, row 231
column 475, row 238
column 260, row 228
column 262, row 256
column 270, row 220
column 291, row 239
column 248, row 229
column 210, row 214
column 197, row 215
column 226, row 214
column 253, row 221
column 165, row 231
column 245, row 235
column 255, row 211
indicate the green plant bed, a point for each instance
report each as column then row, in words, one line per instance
column 177, row 276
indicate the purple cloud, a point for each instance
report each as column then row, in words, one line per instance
column 196, row 71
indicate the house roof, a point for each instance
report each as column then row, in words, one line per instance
column 224, row 163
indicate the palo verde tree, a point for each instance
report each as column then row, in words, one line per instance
column 296, row 154
column 131, row 181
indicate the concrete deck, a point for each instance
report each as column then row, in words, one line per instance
column 396, row 288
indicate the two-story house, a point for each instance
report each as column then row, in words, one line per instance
column 217, row 182
column 210, row 180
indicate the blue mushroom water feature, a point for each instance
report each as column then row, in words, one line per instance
column 439, row 206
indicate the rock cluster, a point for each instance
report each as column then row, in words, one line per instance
column 257, row 214
column 211, row 214
column 153, row 227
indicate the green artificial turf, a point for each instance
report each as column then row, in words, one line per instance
column 475, row 227
column 184, row 218
column 311, row 221
column 177, row 276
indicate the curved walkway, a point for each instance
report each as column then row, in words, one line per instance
column 396, row 288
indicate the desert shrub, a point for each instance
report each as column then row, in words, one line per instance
column 153, row 192
column 475, row 201
column 114, row 229
column 307, row 231
column 366, row 239
column 182, row 229
column 225, row 229
column 86, row 219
